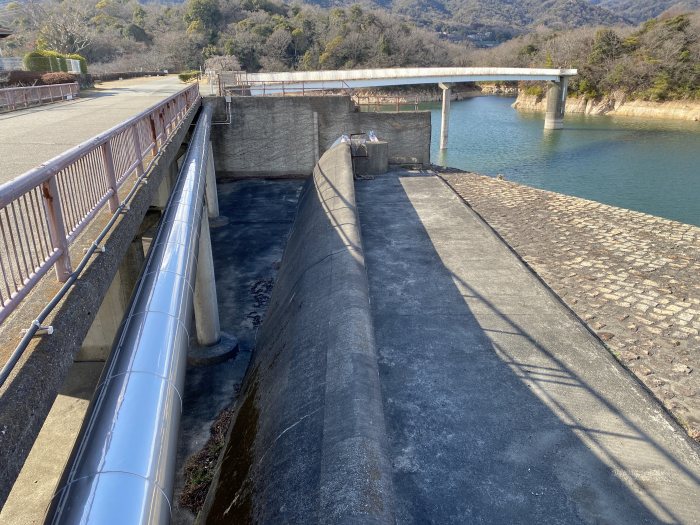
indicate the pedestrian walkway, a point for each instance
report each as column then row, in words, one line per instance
column 500, row 406
column 35, row 135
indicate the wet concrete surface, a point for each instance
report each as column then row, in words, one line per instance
column 500, row 407
column 247, row 252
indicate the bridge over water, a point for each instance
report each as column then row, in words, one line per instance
column 404, row 367
column 301, row 81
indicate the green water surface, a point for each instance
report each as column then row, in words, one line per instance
column 651, row 166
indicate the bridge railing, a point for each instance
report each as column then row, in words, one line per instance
column 23, row 97
column 239, row 83
column 44, row 210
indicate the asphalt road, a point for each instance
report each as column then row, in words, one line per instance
column 32, row 136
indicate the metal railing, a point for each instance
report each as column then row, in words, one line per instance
column 43, row 211
column 22, row 97
column 11, row 64
column 238, row 83
column 123, row 465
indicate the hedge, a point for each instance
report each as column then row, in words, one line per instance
column 46, row 61
column 186, row 76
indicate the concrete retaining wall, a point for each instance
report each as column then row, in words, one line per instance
column 285, row 136
column 308, row 443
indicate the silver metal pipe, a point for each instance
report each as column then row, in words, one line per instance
column 122, row 468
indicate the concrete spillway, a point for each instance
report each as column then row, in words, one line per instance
column 410, row 369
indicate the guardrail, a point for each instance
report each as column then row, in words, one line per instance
column 238, row 83
column 16, row 97
column 11, row 63
column 43, row 211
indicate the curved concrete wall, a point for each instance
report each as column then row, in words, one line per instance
column 308, row 444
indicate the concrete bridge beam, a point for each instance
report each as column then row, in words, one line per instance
column 556, row 104
column 445, row 121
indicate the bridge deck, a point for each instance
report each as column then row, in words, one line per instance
column 30, row 137
column 362, row 78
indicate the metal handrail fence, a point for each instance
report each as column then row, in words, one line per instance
column 45, row 209
column 22, row 97
column 238, row 83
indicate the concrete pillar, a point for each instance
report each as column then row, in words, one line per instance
column 160, row 200
column 206, row 308
column 556, row 104
column 98, row 341
column 211, row 195
column 445, row 124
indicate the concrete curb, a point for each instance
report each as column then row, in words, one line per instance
column 308, row 444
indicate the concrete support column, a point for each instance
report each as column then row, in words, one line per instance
column 98, row 341
column 206, row 308
column 160, row 200
column 556, row 104
column 445, row 123
column 211, row 195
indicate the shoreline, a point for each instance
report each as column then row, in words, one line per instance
column 429, row 94
column 616, row 105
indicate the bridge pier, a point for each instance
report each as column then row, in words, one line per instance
column 211, row 196
column 206, row 309
column 213, row 345
column 99, row 339
column 445, row 122
column 556, row 104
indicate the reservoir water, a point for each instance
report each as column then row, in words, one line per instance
column 651, row 166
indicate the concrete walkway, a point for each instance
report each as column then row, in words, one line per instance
column 500, row 406
column 32, row 136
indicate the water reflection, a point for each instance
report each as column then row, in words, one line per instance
column 645, row 165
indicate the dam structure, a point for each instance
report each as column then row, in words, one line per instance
column 382, row 354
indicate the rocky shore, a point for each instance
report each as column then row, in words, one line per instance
column 430, row 93
column 617, row 104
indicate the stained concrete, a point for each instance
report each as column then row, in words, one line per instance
column 36, row 484
column 283, row 136
column 247, row 253
column 500, row 407
column 307, row 444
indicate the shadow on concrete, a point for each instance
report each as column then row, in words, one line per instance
column 488, row 419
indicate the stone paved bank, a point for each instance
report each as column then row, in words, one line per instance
column 632, row 277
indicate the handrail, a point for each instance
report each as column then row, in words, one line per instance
column 44, row 210
column 123, row 466
column 25, row 96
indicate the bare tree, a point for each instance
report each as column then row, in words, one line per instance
column 61, row 26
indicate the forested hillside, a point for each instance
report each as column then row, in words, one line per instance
column 657, row 60
column 124, row 35
column 641, row 10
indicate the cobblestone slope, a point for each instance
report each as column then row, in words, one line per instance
column 632, row 277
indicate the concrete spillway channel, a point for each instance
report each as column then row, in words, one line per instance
column 397, row 364
column 410, row 369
